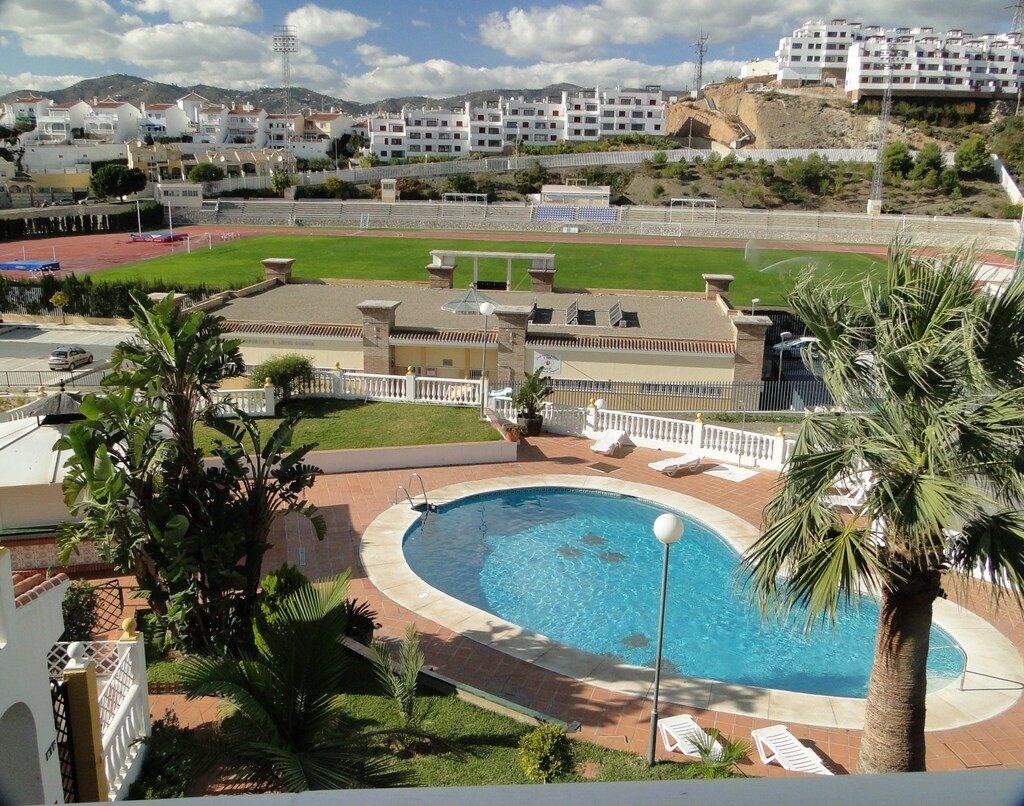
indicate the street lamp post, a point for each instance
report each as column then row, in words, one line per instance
column 486, row 309
column 667, row 529
column 138, row 215
column 753, row 305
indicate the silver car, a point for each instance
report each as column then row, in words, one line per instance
column 69, row 358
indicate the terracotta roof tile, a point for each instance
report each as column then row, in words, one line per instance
column 598, row 342
column 30, row 586
column 409, row 335
column 297, row 329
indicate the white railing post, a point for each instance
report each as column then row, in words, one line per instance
column 698, row 431
column 410, row 384
column 778, row 457
column 338, row 381
column 591, row 415
column 268, row 391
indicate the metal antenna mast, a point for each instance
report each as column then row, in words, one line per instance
column 1018, row 16
column 287, row 43
column 877, row 179
column 701, row 46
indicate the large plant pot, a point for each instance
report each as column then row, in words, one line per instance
column 531, row 425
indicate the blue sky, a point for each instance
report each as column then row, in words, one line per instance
column 363, row 50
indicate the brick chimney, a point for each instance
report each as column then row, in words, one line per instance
column 441, row 276
column 378, row 321
column 512, row 323
column 716, row 285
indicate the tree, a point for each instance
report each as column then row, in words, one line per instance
column 531, row 179
column 194, row 534
column 972, row 157
column 288, row 727
column 117, row 181
column 281, row 180
column 61, row 300
column 929, row 159
column 930, row 377
column 896, row 160
column 460, row 183
column 340, row 189
column 205, row 172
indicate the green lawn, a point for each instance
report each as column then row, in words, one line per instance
column 580, row 265
column 354, row 424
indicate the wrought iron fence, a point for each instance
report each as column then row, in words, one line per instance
column 32, row 379
column 641, row 396
column 65, row 751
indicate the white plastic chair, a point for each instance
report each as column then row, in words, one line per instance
column 681, row 734
column 776, row 745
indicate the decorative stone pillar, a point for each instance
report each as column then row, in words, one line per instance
column 511, row 332
column 749, row 360
column 378, row 321
column 441, row 276
column 278, row 268
column 716, row 285
column 541, row 279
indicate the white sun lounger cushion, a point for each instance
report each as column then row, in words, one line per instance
column 776, row 745
column 689, row 461
column 681, row 734
column 608, row 441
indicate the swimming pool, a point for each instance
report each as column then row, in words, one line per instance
column 582, row 567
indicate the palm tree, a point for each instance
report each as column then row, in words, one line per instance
column 929, row 377
column 285, row 724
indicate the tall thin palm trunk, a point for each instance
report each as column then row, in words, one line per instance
column 893, row 739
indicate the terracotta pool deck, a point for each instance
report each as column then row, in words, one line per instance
column 350, row 502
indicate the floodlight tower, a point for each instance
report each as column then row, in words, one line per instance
column 1018, row 16
column 286, row 43
column 877, row 179
column 701, row 48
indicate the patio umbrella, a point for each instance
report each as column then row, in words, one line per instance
column 469, row 302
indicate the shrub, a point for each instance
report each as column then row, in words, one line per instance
column 972, row 157
column 277, row 586
column 1010, row 210
column 928, row 159
column 658, row 191
column 546, row 754
column 284, row 372
column 362, row 621
column 80, row 609
column 205, row 172
column 171, row 762
column 896, row 159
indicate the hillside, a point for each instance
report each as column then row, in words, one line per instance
column 819, row 119
column 138, row 90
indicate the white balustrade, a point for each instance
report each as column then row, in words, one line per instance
column 366, row 386
column 647, row 430
column 447, row 391
column 254, row 402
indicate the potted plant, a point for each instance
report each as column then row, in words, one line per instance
column 512, row 431
column 528, row 399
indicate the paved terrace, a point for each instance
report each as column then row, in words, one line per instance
column 351, row 501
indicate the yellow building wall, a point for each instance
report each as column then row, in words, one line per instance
column 61, row 181
column 464, row 360
column 323, row 353
column 637, row 366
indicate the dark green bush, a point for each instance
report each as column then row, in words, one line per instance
column 171, row 762
column 284, row 372
column 80, row 609
column 362, row 621
column 277, row 586
column 546, row 754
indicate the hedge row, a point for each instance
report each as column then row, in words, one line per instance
column 79, row 222
column 86, row 298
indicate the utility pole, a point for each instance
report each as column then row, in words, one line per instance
column 286, row 43
column 701, row 48
column 889, row 55
column 1018, row 16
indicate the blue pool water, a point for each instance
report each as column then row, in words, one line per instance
column 584, row 568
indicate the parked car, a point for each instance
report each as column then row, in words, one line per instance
column 63, row 201
column 89, row 200
column 793, row 348
column 69, row 358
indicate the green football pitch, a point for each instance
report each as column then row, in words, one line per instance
column 766, row 274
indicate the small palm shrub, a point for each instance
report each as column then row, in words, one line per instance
column 399, row 680
column 546, row 754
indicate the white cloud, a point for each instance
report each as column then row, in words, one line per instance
column 374, row 56
column 439, row 77
column 578, row 30
column 86, row 29
column 316, row 25
column 419, row 23
column 228, row 11
column 175, row 45
column 31, row 81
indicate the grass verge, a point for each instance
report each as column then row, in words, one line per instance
column 336, row 424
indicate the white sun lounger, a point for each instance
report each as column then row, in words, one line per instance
column 687, row 463
column 848, row 502
column 608, row 442
column 682, row 735
column 776, row 745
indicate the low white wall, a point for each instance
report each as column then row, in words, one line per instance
column 457, row 453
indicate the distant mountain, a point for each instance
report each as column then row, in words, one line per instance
column 141, row 90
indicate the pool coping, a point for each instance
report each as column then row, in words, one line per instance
column 993, row 682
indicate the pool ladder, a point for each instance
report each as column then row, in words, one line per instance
column 424, row 506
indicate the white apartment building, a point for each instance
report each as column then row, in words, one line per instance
column 112, row 121
column 953, row 64
column 756, row 68
column 164, row 120
column 59, row 123
column 817, row 50
column 283, row 129
column 329, row 125
column 494, row 126
column 24, row 110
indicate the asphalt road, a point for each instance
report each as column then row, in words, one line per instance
column 26, row 349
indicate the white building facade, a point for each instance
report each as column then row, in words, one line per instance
column 492, row 127
column 817, row 50
column 25, row 110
